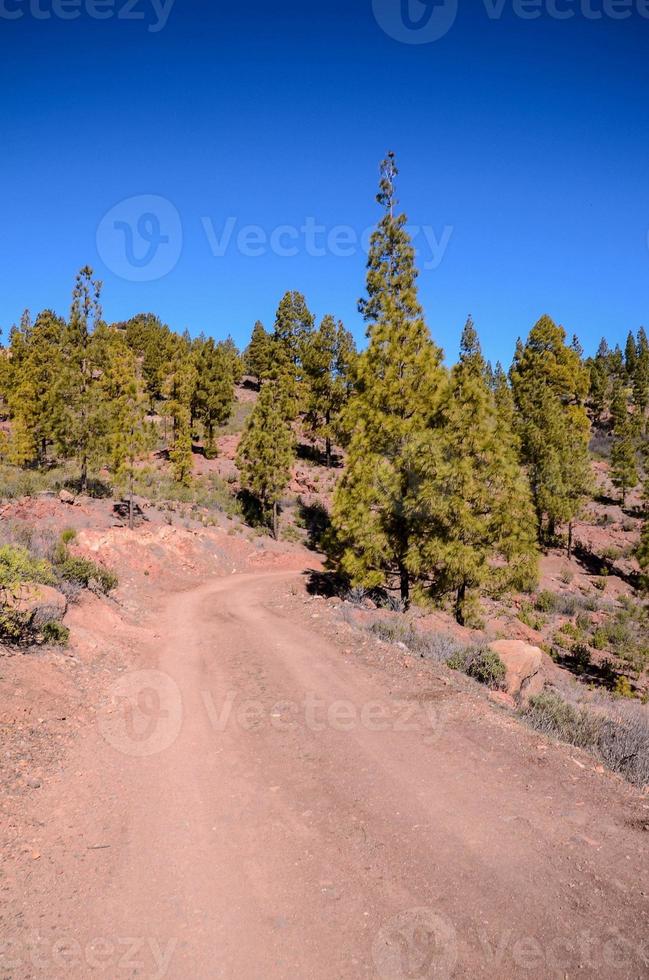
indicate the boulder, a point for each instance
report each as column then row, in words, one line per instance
column 39, row 604
column 525, row 668
column 66, row 497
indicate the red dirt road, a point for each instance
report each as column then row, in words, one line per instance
column 258, row 803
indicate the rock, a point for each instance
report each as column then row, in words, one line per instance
column 34, row 783
column 66, row 497
column 39, row 604
column 502, row 698
column 525, row 668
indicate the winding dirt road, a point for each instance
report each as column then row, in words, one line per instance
column 256, row 802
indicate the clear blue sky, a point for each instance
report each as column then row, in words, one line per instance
column 526, row 139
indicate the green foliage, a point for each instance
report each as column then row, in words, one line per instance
column 329, row 355
column 266, row 453
column 129, row 435
column 258, row 356
column 623, row 688
column 17, row 565
column 82, row 571
column 293, row 327
column 482, row 535
column 213, row 395
column 34, row 365
column 550, row 385
column 642, row 555
column 376, row 514
column 181, row 385
column 483, row 665
column 78, row 411
column 56, row 633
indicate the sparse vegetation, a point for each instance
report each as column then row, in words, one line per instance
column 620, row 740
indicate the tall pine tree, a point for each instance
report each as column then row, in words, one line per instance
column 482, row 532
column 376, row 512
column 266, row 453
column 550, row 385
column 78, row 416
column 214, row 391
column 328, row 358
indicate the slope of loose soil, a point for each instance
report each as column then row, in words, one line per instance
column 234, row 783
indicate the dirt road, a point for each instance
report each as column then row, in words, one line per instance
column 257, row 802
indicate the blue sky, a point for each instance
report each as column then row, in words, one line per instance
column 523, row 146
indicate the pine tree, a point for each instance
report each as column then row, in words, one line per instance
column 181, row 386
column 624, row 459
column 504, row 401
column 294, row 325
column 641, row 381
column 482, row 530
column 630, row 356
column 619, row 405
column 258, row 354
column 129, row 436
column 214, row 391
column 550, row 385
column 328, row 361
column 77, row 410
column 642, row 553
column 376, row 512
column 600, row 381
column 34, row 364
column 266, row 453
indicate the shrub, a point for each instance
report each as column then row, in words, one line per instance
column 623, row 688
column 581, row 658
column 550, row 714
column 487, row 668
column 84, row 572
column 17, row 565
column 624, row 746
column 545, row 602
column 620, row 740
column 438, row 647
column 56, row 633
column 482, row 665
column 528, row 617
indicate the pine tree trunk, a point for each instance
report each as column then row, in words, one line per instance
column 275, row 521
column 84, row 475
column 459, row 604
column 570, row 535
column 131, row 516
column 328, row 439
column 404, row 577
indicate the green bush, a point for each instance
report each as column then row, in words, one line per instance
column 83, row 571
column 546, row 602
column 56, row 633
column 581, row 658
column 17, row 566
column 482, row 665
